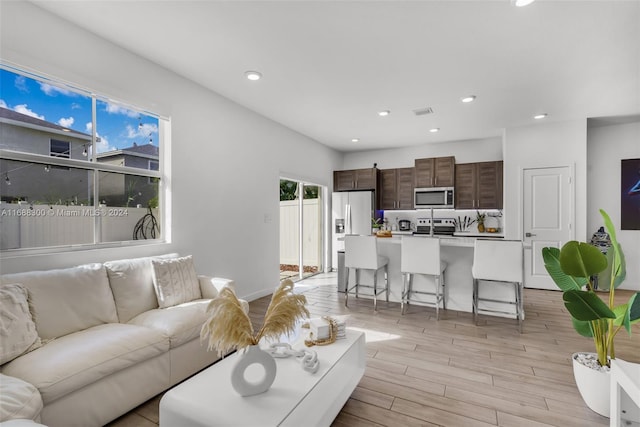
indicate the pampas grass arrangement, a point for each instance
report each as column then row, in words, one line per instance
column 228, row 327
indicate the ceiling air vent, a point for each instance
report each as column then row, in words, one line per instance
column 423, row 111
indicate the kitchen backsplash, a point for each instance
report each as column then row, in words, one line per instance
column 464, row 218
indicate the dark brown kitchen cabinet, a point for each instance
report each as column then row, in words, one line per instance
column 435, row 172
column 355, row 179
column 479, row 185
column 466, row 182
column 396, row 188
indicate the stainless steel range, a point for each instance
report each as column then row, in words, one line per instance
column 441, row 227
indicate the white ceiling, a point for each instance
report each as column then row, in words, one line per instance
column 329, row 66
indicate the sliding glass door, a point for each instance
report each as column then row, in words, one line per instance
column 301, row 224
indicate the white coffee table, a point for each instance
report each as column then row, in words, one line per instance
column 296, row 398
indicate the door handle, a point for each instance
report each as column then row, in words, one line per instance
column 529, row 234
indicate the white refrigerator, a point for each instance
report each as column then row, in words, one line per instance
column 351, row 214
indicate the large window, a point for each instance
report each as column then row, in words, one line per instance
column 75, row 168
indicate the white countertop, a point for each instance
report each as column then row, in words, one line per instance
column 477, row 234
column 458, row 239
column 444, row 240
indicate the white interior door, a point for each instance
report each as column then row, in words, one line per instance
column 548, row 216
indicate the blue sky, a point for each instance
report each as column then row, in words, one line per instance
column 117, row 127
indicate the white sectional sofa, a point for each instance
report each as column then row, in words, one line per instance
column 109, row 337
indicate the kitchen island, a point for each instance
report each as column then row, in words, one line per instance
column 457, row 252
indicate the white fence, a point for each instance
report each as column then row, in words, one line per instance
column 290, row 232
column 36, row 226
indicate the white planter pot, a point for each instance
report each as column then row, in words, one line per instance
column 593, row 385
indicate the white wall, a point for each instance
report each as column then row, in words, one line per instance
column 544, row 145
column 226, row 160
column 607, row 145
column 476, row 150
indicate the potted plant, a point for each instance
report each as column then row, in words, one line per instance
column 572, row 268
column 375, row 225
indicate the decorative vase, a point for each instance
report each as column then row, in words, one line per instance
column 481, row 227
column 253, row 355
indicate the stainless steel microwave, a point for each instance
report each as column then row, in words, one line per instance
column 437, row 198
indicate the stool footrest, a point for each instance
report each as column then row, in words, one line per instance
column 406, row 298
column 366, row 286
column 487, row 310
column 425, row 303
column 420, row 292
column 497, row 300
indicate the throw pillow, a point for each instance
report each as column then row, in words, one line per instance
column 17, row 330
column 175, row 281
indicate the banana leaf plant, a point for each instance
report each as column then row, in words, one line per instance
column 572, row 268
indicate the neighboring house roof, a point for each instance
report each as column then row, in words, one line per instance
column 9, row 116
column 148, row 151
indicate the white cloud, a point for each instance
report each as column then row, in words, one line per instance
column 54, row 90
column 22, row 109
column 75, row 106
column 116, row 109
column 3, row 104
column 143, row 131
column 21, row 84
column 102, row 144
column 66, row 123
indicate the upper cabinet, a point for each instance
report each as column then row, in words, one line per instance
column 435, row 172
column 479, row 185
column 396, row 188
column 355, row 179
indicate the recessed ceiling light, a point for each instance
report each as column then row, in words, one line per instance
column 469, row 98
column 384, row 113
column 540, row 116
column 355, row 140
column 253, row 75
column 434, row 130
column 520, row 3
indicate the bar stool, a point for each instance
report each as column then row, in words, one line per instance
column 361, row 253
column 421, row 255
column 498, row 261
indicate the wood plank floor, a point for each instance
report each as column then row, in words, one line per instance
column 423, row 372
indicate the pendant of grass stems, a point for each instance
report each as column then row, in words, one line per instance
column 228, row 327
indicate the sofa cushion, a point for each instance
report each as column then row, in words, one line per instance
column 131, row 281
column 175, row 281
column 17, row 331
column 71, row 362
column 179, row 323
column 67, row 300
column 18, row 399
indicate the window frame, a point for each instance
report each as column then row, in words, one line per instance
column 151, row 179
column 66, row 154
column 90, row 163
